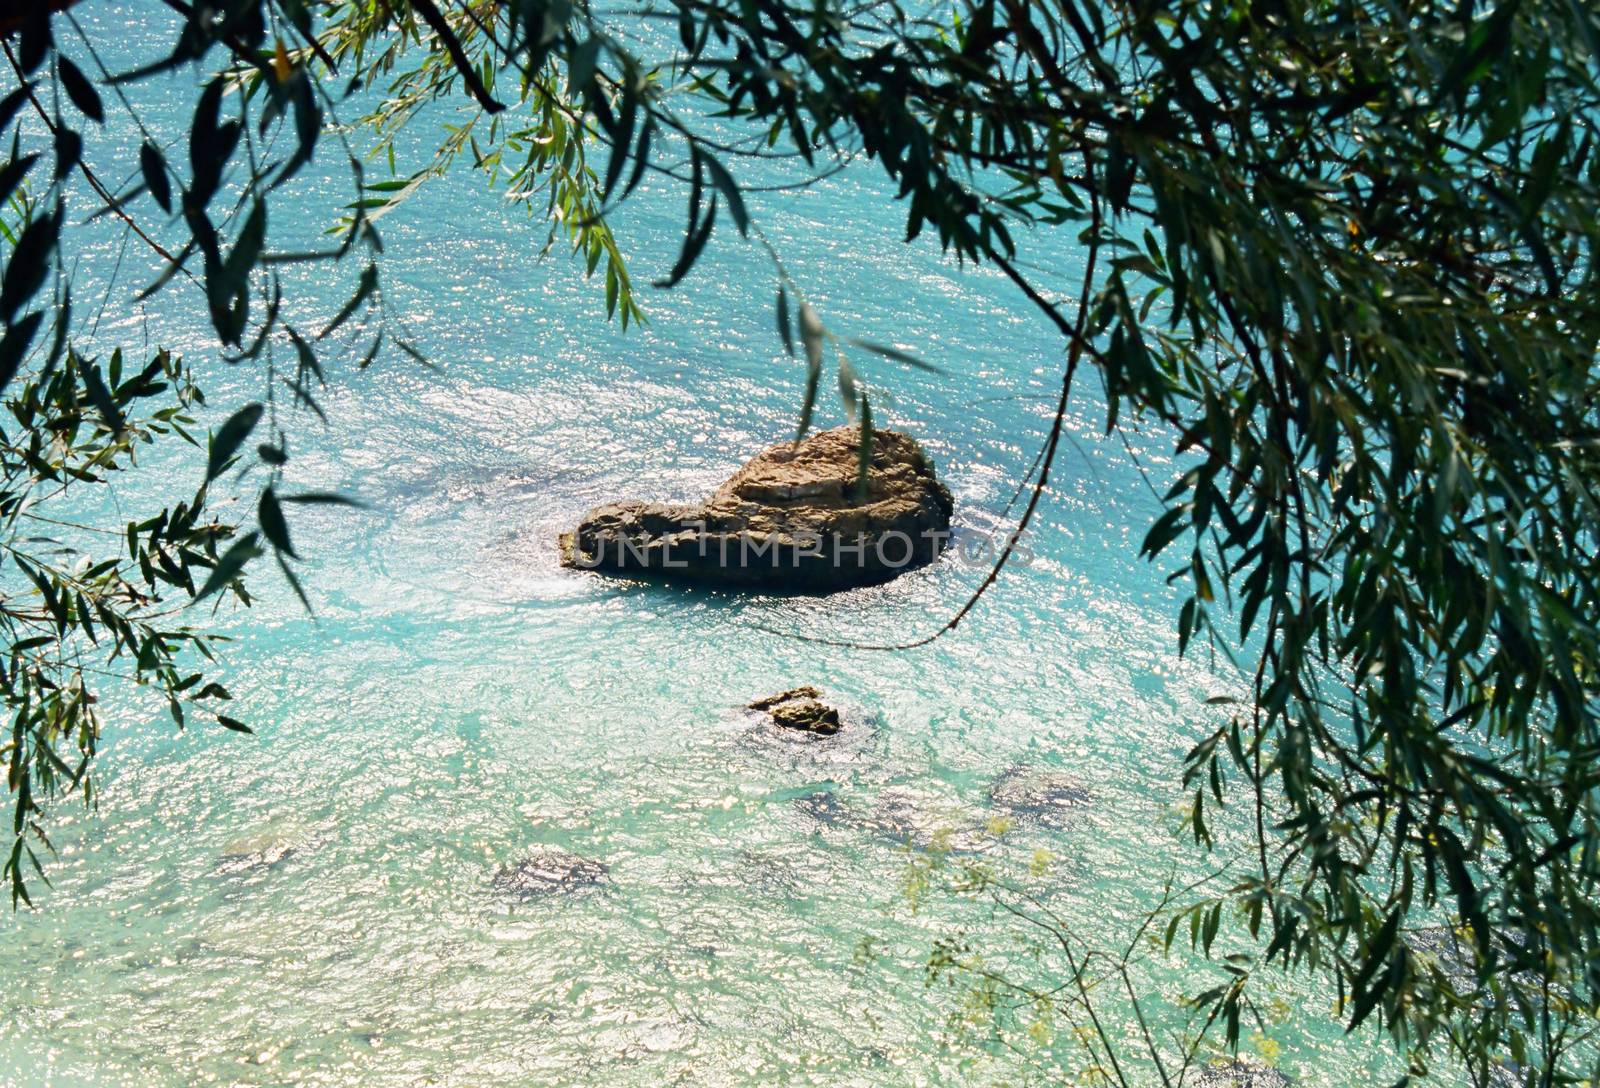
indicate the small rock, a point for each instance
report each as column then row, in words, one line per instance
column 549, row 870
column 801, row 709
column 1243, row 1072
column 905, row 815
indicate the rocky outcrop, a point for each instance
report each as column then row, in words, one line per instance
column 792, row 519
column 801, row 709
column 549, row 870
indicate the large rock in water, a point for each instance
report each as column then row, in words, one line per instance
column 790, row 519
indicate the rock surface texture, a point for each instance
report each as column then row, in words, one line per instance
column 1043, row 797
column 549, row 870
column 1241, row 1072
column 801, row 708
column 254, row 855
column 791, row 519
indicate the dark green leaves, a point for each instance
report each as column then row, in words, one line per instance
column 864, row 447
column 785, row 325
column 699, row 229
column 1347, row 266
column 581, row 66
column 12, row 173
column 14, row 346
column 246, row 248
column 641, row 156
column 694, row 241
column 102, row 399
column 231, row 565
column 154, row 169
column 273, row 526
column 308, row 120
column 72, row 421
column 36, row 39
column 29, row 263
column 730, row 192
column 364, row 290
column 1167, row 528
column 620, row 131
column 811, row 333
column 893, row 353
column 69, row 150
column 79, row 90
column 1368, row 984
column 229, row 437
column 322, row 498
column 211, row 144
column 809, row 403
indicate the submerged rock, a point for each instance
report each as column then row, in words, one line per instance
column 254, row 854
column 801, row 709
column 825, row 808
column 1242, row 1072
column 902, row 816
column 908, row 816
column 792, row 519
column 1045, row 797
column 550, row 870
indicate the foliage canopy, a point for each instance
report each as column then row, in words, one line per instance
column 1343, row 251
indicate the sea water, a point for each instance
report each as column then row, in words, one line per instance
column 316, row 904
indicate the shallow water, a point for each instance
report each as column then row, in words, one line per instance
column 317, row 905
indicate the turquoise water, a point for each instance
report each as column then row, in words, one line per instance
column 315, row 905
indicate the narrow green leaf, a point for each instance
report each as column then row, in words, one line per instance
column 864, row 449
column 231, row 564
column 784, row 324
column 894, row 353
column 229, row 437
column 323, row 498
column 273, row 524
column 102, row 399
column 12, row 173
column 79, row 90
column 730, row 191
column 368, row 284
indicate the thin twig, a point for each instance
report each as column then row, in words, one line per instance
column 1078, row 344
column 112, row 204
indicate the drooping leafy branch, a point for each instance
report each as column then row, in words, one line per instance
column 1347, row 263
column 94, row 615
column 1352, row 271
column 97, row 606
